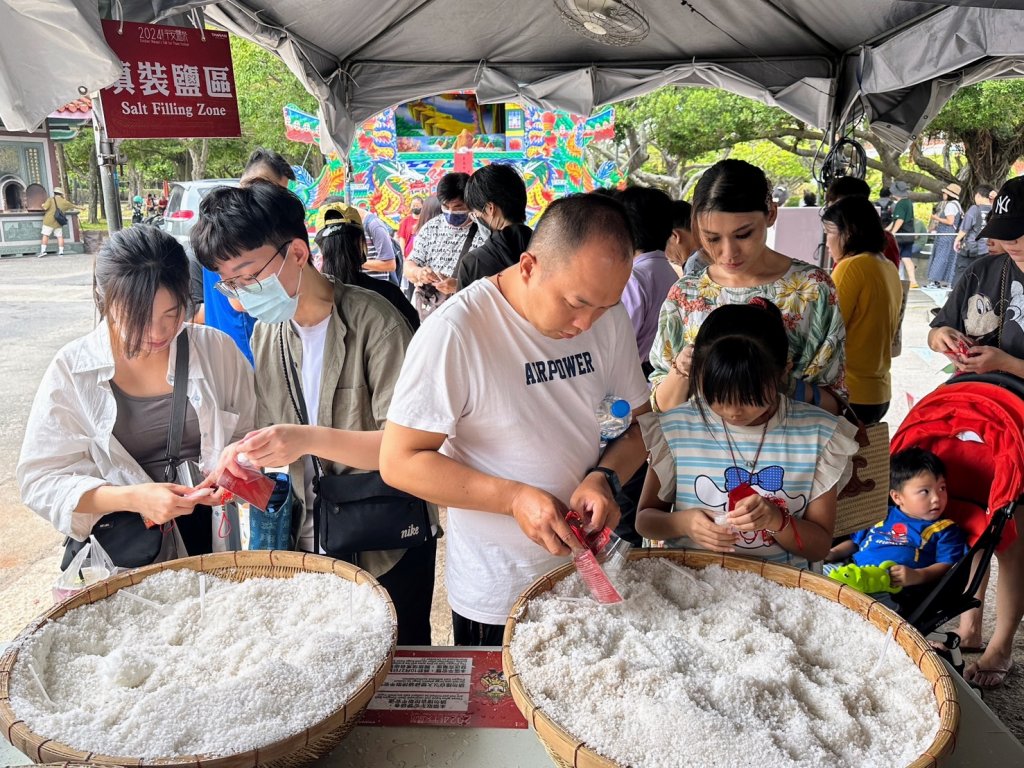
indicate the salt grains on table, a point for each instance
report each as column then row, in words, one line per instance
column 268, row 659
column 727, row 671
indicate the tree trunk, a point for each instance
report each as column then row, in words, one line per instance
column 62, row 169
column 94, row 185
column 199, row 153
column 137, row 182
column 989, row 158
column 314, row 163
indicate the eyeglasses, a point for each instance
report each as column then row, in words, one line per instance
column 248, row 283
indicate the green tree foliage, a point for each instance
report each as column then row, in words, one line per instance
column 987, row 120
column 690, row 122
column 668, row 137
column 265, row 86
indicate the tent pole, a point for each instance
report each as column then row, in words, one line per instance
column 348, row 178
column 107, row 156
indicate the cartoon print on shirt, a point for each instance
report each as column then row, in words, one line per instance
column 768, row 482
column 1015, row 306
column 980, row 319
column 897, row 536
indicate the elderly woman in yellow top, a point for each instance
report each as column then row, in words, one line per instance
column 869, row 291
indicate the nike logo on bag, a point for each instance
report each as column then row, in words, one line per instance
column 411, row 531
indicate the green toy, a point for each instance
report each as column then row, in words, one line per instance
column 869, row 579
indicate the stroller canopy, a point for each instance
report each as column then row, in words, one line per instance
column 977, row 429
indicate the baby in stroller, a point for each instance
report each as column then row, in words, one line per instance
column 914, row 546
column 975, row 424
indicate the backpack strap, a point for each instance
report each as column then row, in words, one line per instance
column 466, row 245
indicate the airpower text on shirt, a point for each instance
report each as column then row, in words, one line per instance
column 543, row 371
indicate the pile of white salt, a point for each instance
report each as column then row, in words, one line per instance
column 268, row 658
column 721, row 669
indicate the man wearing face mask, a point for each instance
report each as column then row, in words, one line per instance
column 496, row 197
column 328, row 351
column 440, row 243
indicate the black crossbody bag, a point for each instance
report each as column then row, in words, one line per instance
column 359, row 512
column 124, row 535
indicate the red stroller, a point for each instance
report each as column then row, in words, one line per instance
column 975, row 424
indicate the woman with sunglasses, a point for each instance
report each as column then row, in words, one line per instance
column 95, row 455
column 342, row 243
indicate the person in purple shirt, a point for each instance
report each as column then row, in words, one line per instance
column 650, row 220
column 381, row 259
column 650, row 217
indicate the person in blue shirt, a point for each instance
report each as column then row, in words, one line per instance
column 914, row 535
column 220, row 313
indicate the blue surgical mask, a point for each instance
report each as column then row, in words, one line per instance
column 272, row 304
column 455, row 218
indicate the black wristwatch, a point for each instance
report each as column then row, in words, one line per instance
column 610, row 476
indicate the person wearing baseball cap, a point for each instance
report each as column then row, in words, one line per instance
column 343, row 250
column 981, row 329
column 1006, row 220
column 50, row 224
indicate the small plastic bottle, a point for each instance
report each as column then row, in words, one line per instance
column 613, row 417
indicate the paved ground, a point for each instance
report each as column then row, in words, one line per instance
column 48, row 302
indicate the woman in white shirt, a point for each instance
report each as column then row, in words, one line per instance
column 96, row 443
column 946, row 222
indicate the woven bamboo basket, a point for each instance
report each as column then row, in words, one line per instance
column 567, row 751
column 296, row 750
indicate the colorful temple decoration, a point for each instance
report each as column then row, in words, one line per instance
column 402, row 152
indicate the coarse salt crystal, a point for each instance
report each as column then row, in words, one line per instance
column 739, row 671
column 270, row 658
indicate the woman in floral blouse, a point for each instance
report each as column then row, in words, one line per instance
column 732, row 211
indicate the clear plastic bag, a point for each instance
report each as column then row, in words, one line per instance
column 91, row 565
column 601, row 553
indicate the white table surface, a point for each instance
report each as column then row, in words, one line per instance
column 983, row 742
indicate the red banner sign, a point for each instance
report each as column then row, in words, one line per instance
column 173, row 84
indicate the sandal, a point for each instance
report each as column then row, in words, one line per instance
column 973, row 670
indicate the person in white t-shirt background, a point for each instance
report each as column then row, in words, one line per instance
column 505, row 433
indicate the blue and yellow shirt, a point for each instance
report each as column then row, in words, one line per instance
column 908, row 541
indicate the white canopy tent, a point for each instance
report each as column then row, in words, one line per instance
column 894, row 61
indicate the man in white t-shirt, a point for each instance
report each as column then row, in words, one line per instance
column 493, row 414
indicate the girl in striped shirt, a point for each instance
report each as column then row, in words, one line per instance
column 740, row 467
